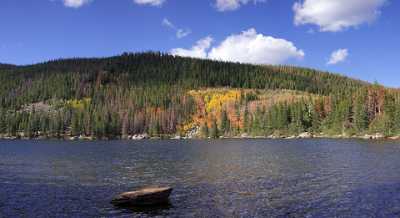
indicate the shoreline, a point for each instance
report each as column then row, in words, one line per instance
column 374, row 137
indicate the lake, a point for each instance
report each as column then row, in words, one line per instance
column 221, row 178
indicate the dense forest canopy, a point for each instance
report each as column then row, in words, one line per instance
column 160, row 94
column 6, row 66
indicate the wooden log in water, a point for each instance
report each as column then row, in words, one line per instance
column 143, row 197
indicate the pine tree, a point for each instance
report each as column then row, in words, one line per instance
column 154, row 127
column 225, row 123
column 99, row 128
column 397, row 117
column 257, row 122
column 204, row 130
column 316, row 117
column 76, row 124
column 3, row 124
column 246, row 120
column 389, row 113
column 237, row 123
column 296, row 118
column 360, row 111
column 214, row 132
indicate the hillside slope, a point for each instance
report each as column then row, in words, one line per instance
column 160, row 94
column 141, row 69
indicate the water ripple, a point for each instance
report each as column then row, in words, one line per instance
column 227, row 178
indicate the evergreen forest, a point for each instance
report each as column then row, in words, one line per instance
column 165, row 96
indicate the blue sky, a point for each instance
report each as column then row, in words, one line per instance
column 358, row 38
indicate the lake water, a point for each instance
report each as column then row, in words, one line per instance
column 222, row 178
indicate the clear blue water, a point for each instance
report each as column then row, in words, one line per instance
column 223, row 178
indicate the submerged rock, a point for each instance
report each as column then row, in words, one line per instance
column 143, row 197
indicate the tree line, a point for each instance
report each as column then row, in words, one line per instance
column 138, row 93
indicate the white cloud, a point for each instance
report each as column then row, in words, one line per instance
column 230, row 5
column 75, row 3
column 197, row 51
column 251, row 47
column 180, row 33
column 336, row 15
column 338, row 56
column 221, row 5
column 149, row 2
column 246, row 47
column 168, row 23
column 80, row 3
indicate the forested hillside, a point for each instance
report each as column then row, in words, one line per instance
column 163, row 95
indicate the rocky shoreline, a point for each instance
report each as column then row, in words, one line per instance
column 145, row 136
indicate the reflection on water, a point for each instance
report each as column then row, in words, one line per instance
column 147, row 210
column 225, row 178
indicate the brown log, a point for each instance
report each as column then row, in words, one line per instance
column 143, row 197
